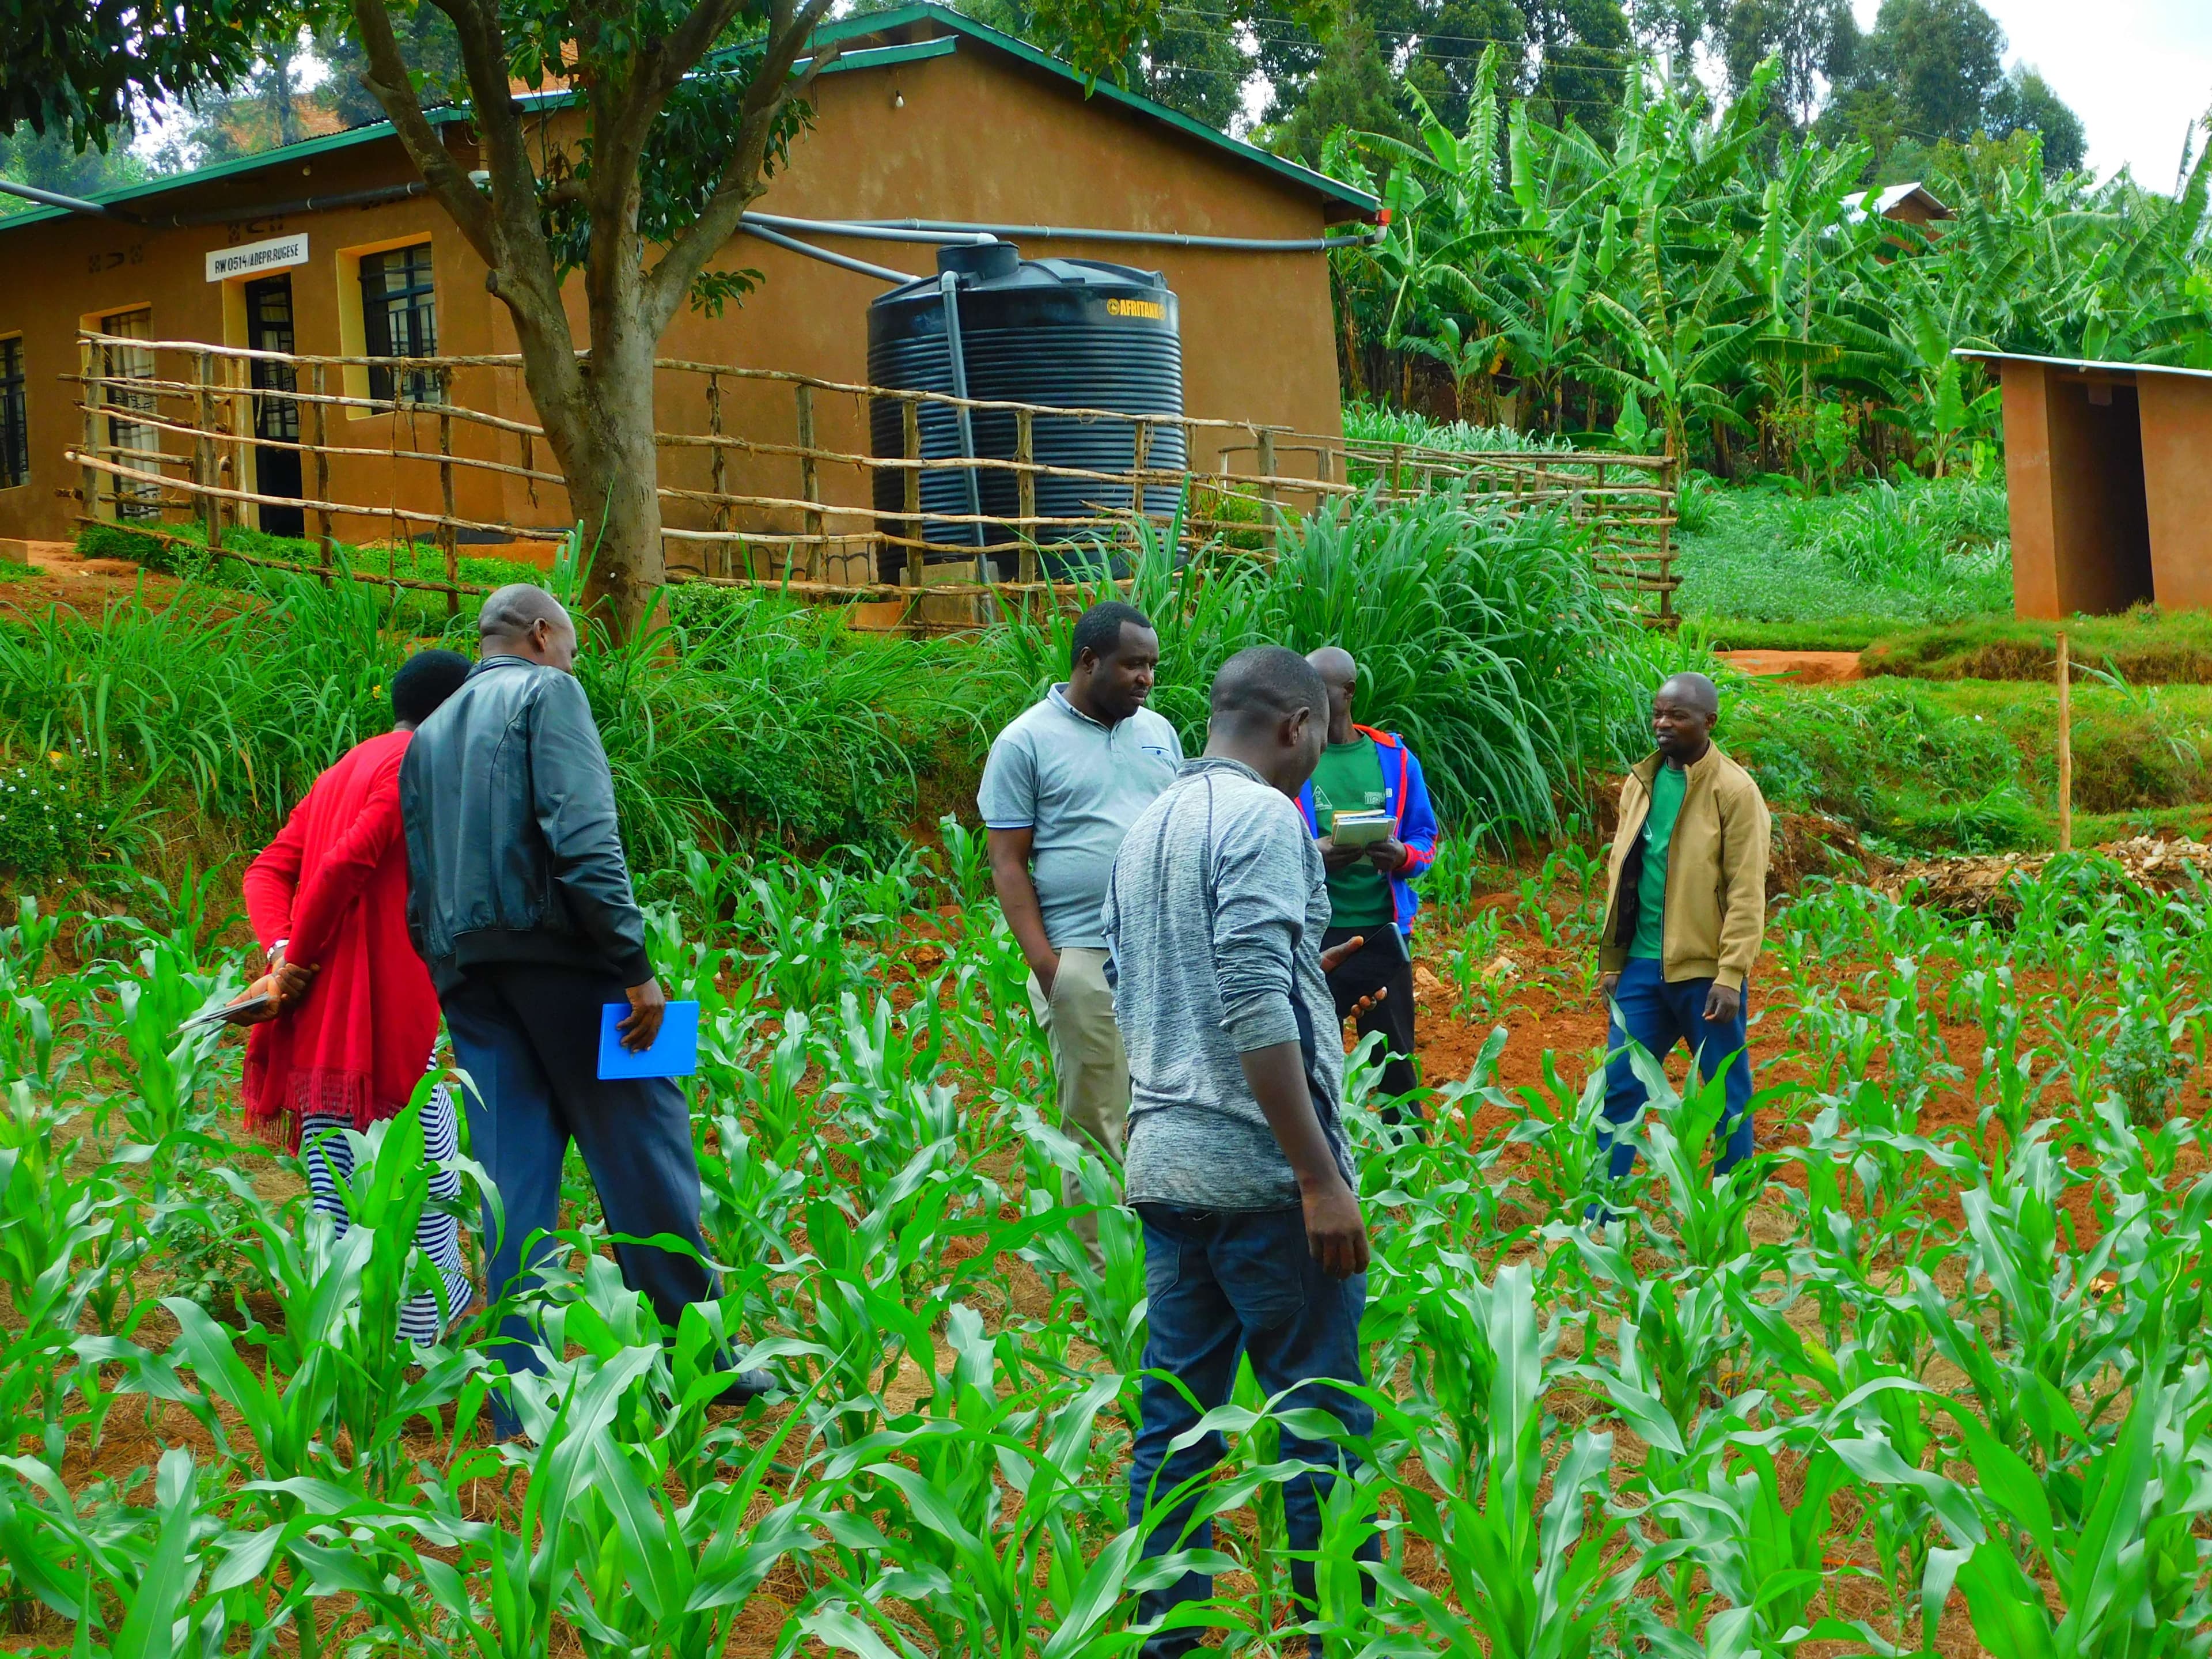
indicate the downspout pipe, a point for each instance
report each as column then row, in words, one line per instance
column 948, row 284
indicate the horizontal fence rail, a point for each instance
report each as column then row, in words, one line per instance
column 762, row 495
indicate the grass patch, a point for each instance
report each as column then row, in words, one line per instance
column 181, row 550
column 1373, row 423
column 2145, row 647
column 1836, row 633
column 1839, row 570
column 1972, row 766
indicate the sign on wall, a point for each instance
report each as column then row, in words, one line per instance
column 252, row 258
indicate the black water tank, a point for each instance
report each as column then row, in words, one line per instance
column 1062, row 333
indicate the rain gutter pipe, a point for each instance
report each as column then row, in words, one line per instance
column 866, row 231
column 881, row 273
column 73, row 203
column 369, row 198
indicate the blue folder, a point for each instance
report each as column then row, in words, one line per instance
column 674, row 1052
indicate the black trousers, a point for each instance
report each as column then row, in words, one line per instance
column 528, row 1035
column 1383, row 963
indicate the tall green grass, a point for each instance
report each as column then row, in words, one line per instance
column 1483, row 636
column 762, row 714
column 1372, row 423
column 233, row 710
column 744, row 718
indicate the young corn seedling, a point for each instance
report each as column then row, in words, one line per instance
column 1526, row 1582
column 966, row 861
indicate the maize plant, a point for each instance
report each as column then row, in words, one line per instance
column 1931, row 1365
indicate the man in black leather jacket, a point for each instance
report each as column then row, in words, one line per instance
column 520, row 901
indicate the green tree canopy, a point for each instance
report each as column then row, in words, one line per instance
column 2026, row 103
column 1811, row 41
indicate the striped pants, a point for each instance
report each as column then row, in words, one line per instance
column 329, row 1159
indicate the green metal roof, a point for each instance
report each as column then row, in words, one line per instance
column 237, row 165
column 922, row 12
column 844, row 28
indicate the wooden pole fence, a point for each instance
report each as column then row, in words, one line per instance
column 787, row 537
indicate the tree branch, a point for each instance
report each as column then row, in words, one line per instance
column 387, row 80
column 772, row 88
column 693, row 38
column 506, row 230
column 499, row 126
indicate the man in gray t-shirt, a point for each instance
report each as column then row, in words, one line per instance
column 1063, row 785
column 1255, row 1246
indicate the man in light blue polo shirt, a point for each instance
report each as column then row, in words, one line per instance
column 1064, row 783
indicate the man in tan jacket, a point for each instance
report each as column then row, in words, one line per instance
column 1684, row 910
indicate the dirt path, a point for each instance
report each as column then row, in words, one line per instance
column 1802, row 667
column 60, row 576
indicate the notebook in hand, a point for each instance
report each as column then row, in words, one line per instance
column 1360, row 829
column 244, row 1012
column 674, row 1052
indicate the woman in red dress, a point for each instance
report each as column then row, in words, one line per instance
column 356, row 1018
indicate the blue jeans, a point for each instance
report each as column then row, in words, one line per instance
column 1220, row 1284
column 1649, row 1010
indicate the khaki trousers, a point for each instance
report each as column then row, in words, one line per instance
column 1091, row 1064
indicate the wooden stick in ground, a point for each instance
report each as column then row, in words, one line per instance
column 1025, row 490
column 318, row 435
column 204, row 461
column 910, row 419
column 810, row 476
column 210, row 467
column 88, row 481
column 2065, row 748
column 446, row 536
column 718, row 466
column 1270, row 515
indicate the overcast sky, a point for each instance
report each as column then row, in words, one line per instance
column 2138, row 72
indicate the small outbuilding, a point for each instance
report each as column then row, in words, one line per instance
column 2109, row 469
column 1909, row 204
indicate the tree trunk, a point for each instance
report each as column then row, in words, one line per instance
column 614, row 485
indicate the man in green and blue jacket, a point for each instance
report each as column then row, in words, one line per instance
column 1370, row 888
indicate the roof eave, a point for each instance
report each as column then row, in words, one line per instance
column 238, row 167
column 2083, row 365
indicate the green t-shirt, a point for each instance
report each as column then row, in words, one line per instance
column 1667, row 787
column 1350, row 777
